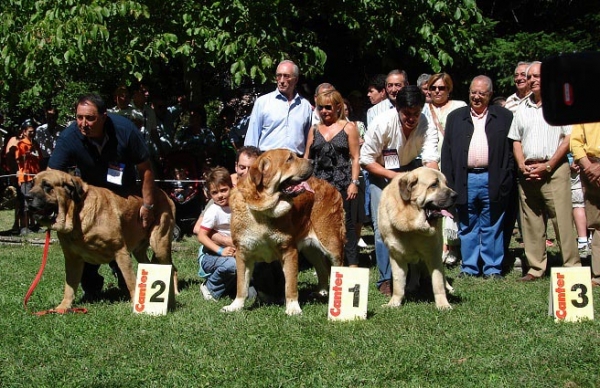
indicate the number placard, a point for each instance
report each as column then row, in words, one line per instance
column 348, row 293
column 571, row 297
column 153, row 289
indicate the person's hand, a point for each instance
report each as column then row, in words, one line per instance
column 352, row 192
column 592, row 173
column 228, row 251
column 535, row 172
column 147, row 216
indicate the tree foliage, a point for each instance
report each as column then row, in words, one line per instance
column 47, row 46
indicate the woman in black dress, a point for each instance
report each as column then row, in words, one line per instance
column 334, row 146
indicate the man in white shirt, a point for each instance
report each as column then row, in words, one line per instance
column 395, row 81
column 540, row 151
column 392, row 144
column 520, row 80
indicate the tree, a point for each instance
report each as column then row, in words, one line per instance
column 207, row 46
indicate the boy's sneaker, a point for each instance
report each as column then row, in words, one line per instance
column 584, row 251
column 205, row 292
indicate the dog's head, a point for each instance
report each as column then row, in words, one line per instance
column 275, row 178
column 54, row 198
column 427, row 189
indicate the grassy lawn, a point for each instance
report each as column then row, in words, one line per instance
column 497, row 335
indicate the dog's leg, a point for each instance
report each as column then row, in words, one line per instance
column 74, row 270
column 399, row 273
column 438, row 282
column 244, row 273
column 161, row 243
column 290, row 272
column 321, row 262
column 124, row 262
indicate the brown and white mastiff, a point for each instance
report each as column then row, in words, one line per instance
column 278, row 209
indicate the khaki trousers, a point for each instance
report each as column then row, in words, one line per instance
column 591, row 193
column 549, row 197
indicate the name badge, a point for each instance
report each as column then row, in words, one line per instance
column 391, row 161
column 115, row 173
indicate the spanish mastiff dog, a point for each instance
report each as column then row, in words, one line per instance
column 96, row 226
column 279, row 209
column 410, row 223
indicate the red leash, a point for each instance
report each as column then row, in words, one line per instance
column 37, row 280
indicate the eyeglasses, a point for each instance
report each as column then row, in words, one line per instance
column 476, row 93
column 326, row 107
column 284, row 76
column 440, row 88
column 86, row 117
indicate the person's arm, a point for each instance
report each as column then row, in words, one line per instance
column 220, row 239
column 221, row 250
column 147, row 177
column 430, row 152
column 371, row 149
column 310, row 138
column 353, row 145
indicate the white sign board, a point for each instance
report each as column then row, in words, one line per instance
column 348, row 293
column 153, row 289
column 571, row 297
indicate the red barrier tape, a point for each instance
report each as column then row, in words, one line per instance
column 37, row 280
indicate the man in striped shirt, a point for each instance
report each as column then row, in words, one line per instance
column 514, row 100
column 540, row 151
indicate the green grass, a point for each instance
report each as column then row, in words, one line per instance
column 497, row 335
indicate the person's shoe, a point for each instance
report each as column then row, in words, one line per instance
column 25, row 231
column 386, row 288
column 518, row 263
column 449, row 258
column 205, row 292
column 362, row 243
column 584, row 251
column 494, row 276
column 464, row 275
column 528, row 278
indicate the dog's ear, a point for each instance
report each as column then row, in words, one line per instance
column 76, row 189
column 406, row 185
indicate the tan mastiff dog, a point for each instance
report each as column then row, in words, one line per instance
column 278, row 209
column 96, row 226
column 410, row 212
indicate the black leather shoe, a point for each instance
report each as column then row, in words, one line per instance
column 464, row 275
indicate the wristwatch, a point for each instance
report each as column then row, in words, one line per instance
column 355, row 181
column 149, row 207
column 548, row 168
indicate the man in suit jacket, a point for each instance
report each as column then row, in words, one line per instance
column 477, row 159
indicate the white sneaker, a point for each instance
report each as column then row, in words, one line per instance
column 362, row 243
column 205, row 292
column 449, row 258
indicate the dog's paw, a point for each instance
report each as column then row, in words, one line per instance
column 444, row 307
column 237, row 305
column 293, row 308
column 394, row 302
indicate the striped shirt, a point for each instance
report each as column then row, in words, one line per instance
column 539, row 139
column 377, row 109
column 513, row 102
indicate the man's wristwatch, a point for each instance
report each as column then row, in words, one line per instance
column 355, row 181
column 548, row 168
column 149, row 207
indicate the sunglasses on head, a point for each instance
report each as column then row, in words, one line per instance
column 440, row 88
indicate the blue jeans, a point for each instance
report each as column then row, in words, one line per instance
column 382, row 254
column 367, row 184
column 481, row 228
column 220, row 274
